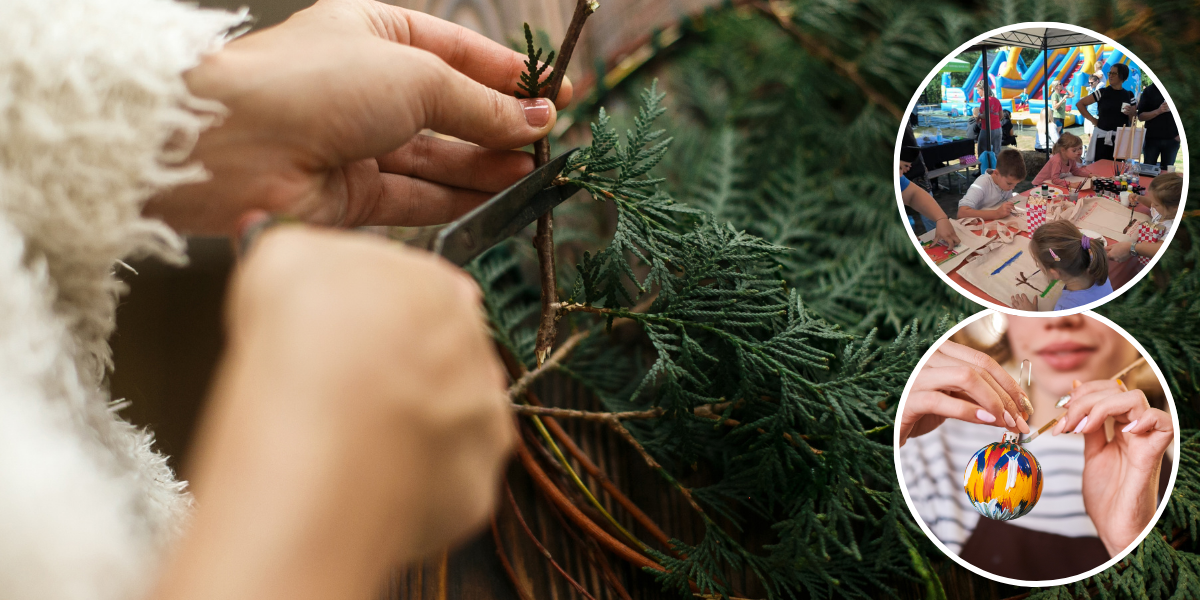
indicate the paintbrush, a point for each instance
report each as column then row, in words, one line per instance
column 1064, row 399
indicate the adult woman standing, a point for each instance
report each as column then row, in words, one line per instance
column 1098, row 496
column 1115, row 106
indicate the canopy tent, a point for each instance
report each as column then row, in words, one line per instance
column 956, row 66
column 1038, row 38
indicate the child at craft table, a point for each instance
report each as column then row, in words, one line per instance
column 990, row 196
column 1063, row 163
column 1062, row 252
column 1163, row 196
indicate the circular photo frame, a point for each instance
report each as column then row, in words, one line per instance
column 1006, row 241
column 1036, row 503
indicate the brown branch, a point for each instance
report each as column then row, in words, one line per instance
column 508, row 568
column 594, row 556
column 555, row 495
column 544, row 239
column 536, row 542
column 515, row 370
column 550, row 364
column 653, row 464
column 848, row 69
column 585, row 415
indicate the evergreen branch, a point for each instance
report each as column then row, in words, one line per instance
column 585, row 415
column 543, row 240
column 848, row 69
column 550, row 364
column 512, row 501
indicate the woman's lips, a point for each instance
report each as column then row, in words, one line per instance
column 1066, row 356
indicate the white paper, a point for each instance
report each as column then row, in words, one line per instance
column 1106, row 217
column 1020, row 276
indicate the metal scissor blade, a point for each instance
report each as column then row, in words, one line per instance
column 505, row 214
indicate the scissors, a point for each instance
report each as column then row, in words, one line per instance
column 486, row 225
column 506, row 213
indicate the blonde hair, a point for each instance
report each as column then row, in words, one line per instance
column 1067, row 140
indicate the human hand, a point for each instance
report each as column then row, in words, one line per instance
column 1119, row 252
column 1005, row 209
column 945, row 234
column 1120, row 477
column 1164, row 108
column 1022, row 302
column 961, row 383
column 358, row 421
column 324, row 112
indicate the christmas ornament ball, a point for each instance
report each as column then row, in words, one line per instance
column 1003, row 481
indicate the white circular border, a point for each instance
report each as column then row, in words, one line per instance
column 900, row 141
column 1052, row 582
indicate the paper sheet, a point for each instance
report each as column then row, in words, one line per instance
column 1106, row 217
column 947, row 259
column 1010, row 270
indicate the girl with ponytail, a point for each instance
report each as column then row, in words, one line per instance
column 1064, row 162
column 1065, row 254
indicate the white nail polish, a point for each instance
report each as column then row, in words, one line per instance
column 1008, row 419
column 985, row 416
column 1081, row 425
column 1129, row 426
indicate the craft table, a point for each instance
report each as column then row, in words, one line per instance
column 1119, row 273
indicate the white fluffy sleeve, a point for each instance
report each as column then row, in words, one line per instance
column 94, row 119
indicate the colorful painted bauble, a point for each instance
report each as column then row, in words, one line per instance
column 1003, row 481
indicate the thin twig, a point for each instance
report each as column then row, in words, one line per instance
column 555, row 495
column 847, row 68
column 516, row 369
column 585, row 415
column 508, row 568
column 543, row 240
column 551, row 363
column 536, row 542
column 653, row 464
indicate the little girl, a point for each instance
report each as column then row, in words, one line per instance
column 1064, row 253
column 1064, row 162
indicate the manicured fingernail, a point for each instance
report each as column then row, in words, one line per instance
column 1075, row 383
column 1008, row 419
column 1081, row 425
column 985, row 416
column 1059, row 427
column 537, row 111
column 1063, row 401
column 1022, row 425
column 1121, row 384
column 1027, row 405
column 1129, row 426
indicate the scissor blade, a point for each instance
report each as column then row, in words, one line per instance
column 505, row 214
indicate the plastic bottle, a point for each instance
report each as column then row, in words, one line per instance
column 940, row 139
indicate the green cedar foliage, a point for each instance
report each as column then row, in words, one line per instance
column 785, row 285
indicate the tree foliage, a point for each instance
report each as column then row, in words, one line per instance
column 784, row 305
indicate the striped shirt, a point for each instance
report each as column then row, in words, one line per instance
column 933, row 465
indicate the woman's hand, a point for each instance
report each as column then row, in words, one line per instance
column 1120, row 477
column 324, row 115
column 359, row 420
column 961, row 383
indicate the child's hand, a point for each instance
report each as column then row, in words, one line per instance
column 1005, row 209
column 1119, row 252
column 945, row 234
column 1022, row 302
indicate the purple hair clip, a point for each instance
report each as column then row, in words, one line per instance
column 1056, row 258
column 1086, row 242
